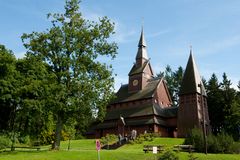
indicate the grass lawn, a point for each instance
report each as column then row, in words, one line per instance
column 85, row 150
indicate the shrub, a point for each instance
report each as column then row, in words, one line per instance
column 221, row 143
column 143, row 137
column 169, row 155
column 24, row 139
column 192, row 157
column 108, row 139
column 235, row 147
column 46, row 137
column 213, row 144
column 225, row 142
column 195, row 138
column 4, row 142
column 79, row 136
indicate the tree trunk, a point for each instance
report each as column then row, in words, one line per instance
column 57, row 137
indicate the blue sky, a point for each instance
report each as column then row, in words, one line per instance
column 211, row 27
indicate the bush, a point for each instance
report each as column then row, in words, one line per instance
column 4, row 142
column 192, row 157
column 225, row 143
column 169, row 155
column 143, row 137
column 235, row 148
column 213, row 144
column 24, row 139
column 108, row 139
column 221, row 143
column 195, row 138
column 46, row 137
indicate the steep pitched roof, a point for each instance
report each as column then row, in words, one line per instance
column 144, row 111
column 142, row 52
column 147, row 92
column 139, row 69
column 191, row 79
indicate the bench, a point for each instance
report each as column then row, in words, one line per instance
column 147, row 148
column 186, row 148
column 37, row 148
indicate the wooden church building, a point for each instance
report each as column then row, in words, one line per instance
column 144, row 104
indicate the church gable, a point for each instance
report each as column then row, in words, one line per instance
column 148, row 71
column 124, row 96
column 162, row 96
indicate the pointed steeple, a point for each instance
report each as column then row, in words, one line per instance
column 141, row 71
column 142, row 42
column 191, row 80
column 142, row 51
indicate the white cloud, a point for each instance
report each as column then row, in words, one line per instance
column 123, row 34
column 20, row 54
column 156, row 34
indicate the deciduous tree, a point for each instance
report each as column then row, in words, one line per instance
column 71, row 48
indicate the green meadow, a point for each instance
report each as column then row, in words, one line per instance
column 85, row 150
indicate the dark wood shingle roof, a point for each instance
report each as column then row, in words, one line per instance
column 148, row 91
column 191, row 79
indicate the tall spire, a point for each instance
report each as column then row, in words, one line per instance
column 142, row 42
column 191, row 78
column 142, row 52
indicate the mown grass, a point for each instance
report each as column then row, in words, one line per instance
column 85, row 150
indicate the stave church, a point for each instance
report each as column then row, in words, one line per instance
column 145, row 105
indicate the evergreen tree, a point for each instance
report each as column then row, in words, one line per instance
column 231, row 108
column 215, row 106
column 173, row 79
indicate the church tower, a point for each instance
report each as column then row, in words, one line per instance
column 141, row 71
column 193, row 109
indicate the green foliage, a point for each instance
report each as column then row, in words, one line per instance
column 192, row 157
column 71, row 48
column 4, row 142
column 168, row 155
column 235, row 148
column 109, row 139
column 143, row 137
column 195, row 138
column 213, row 144
column 223, row 106
column 24, row 139
column 9, row 89
column 173, row 79
column 222, row 143
column 46, row 137
column 225, row 142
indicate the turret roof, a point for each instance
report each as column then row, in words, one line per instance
column 142, row 52
column 192, row 82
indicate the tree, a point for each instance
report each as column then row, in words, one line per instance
column 32, row 116
column 231, row 108
column 8, row 85
column 71, row 48
column 215, row 104
column 174, row 79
